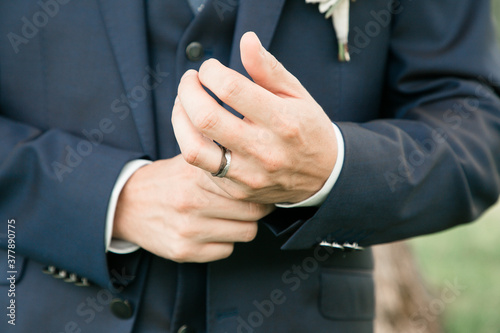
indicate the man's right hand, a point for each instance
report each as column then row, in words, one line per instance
column 176, row 211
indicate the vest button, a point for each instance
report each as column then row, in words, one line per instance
column 194, row 51
column 122, row 309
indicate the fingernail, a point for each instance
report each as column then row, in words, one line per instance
column 189, row 73
column 262, row 50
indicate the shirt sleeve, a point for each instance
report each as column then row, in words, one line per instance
column 117, row 245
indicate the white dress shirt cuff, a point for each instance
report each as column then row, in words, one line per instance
column 319, row 197
column 117, row 245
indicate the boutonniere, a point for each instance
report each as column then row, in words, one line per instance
column 338, row 10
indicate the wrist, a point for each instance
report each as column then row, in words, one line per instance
column 320, row 196
column 118, row 220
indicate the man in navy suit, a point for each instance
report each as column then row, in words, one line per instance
column 164, row 170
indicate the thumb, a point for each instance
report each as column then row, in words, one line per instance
column 266, row 70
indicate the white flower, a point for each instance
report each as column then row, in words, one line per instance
column 338, row 10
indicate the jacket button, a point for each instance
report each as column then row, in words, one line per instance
column 62, row 274
column 194, row 51
column 72, row 278
column 185, row 329
column 50, row 270
column 122, row 309
column 82, row 282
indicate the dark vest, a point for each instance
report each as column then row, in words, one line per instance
column 179, row 40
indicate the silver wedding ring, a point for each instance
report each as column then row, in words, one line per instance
column 225, row 163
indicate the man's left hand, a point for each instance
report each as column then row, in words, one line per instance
column 283, row 150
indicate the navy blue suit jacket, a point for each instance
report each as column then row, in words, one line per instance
column 417, row 106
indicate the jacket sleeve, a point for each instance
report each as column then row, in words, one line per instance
column 433, row 162
column 56, row 186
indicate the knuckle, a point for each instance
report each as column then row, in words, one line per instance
column 186, row 231
column 192, row 155
column 207, row 121
column 181, row 253
column 257, row 182
column 273, row 163
column 251, row 232
column 227, row 251
column 290, row 130
column 231, row 89
column 183, row 204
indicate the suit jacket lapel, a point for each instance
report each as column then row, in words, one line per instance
column 259, row 16
column 125, row 23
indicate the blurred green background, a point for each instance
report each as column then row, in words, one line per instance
column 496, row 13
column 469, row 258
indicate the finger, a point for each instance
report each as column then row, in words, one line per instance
column 237, row 91
column 208, row 200
column 196, row 149
column 206, row 114
column 266, row 70
column 226, row 231
column 200, row 252
column 221, row 207
column 210, row 252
